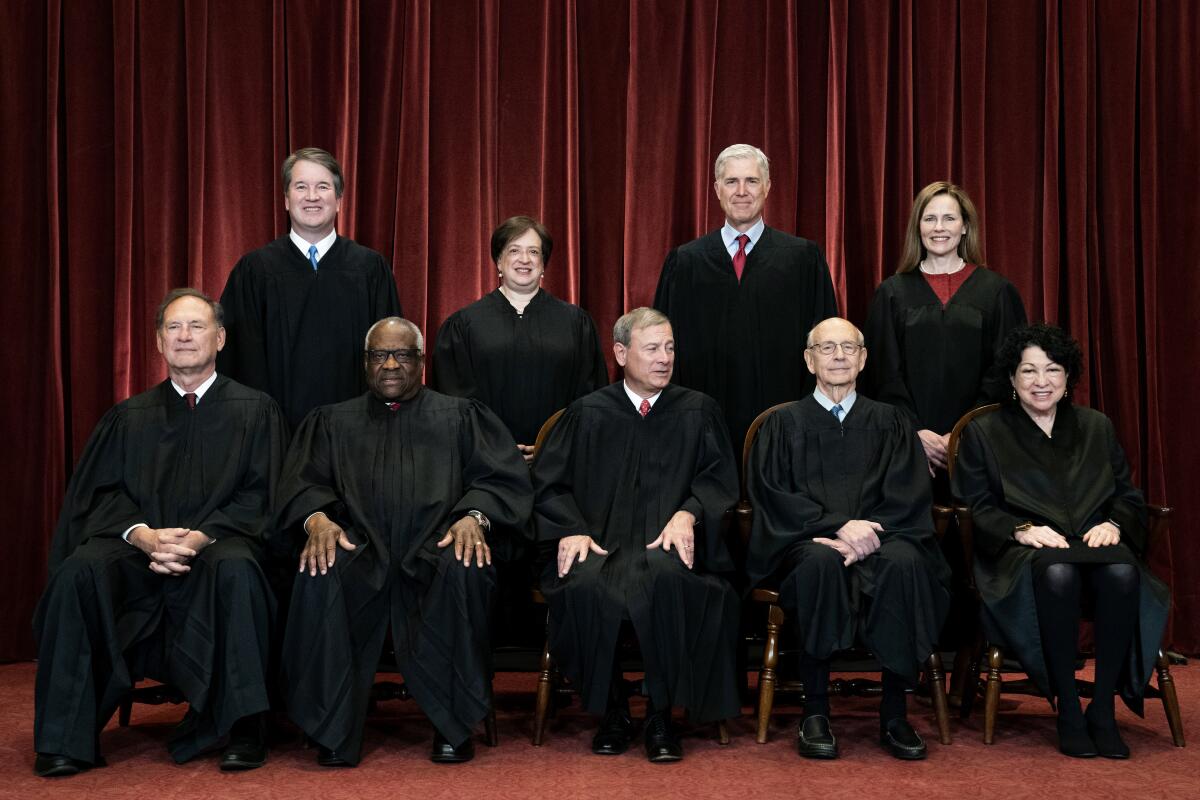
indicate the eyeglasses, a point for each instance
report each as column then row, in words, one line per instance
column 380, row 357
column 827, row 348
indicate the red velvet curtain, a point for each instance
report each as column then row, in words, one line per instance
column 143, row 141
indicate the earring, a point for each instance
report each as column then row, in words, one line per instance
column 1014, row 394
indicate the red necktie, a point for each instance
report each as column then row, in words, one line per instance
column 739, row 258
column 190, row 397
column 644, row 408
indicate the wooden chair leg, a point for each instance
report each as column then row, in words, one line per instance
column 766, row 676
column 126, row 708
column 545, row 686
column 723, row 732
column 489, row 728
column 992, row 699
column 937, row 692
column 1166, row 687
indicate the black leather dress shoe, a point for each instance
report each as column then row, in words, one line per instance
column 1105, row 736
column 330, row 758
column 446, row 753
column 52, row 765
column 614, row 734
column 247, row 748
column 1074, row 741
column 662, row 743
column 816, row 739
column 899, row 739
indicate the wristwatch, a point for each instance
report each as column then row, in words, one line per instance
column 483, row 521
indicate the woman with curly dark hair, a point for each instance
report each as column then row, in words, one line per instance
column 1059, row 527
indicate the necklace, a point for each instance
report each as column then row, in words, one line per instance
column 925, row 268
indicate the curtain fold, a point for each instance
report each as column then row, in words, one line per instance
column 145, row 140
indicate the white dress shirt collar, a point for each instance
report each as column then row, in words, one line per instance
column 322, row 246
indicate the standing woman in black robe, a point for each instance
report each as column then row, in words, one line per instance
column 935, row 326
column 1059, row 525
column 519, row 350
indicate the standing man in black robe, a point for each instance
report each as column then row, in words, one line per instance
column 154, row 566
column 393, row 495
column 297, row 309
column 742, row 298
column 632, row 484
column 843, row 527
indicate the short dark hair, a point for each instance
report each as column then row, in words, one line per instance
column 514, row 227
column 1056, row 343
column 317, row 156
column 186, row 291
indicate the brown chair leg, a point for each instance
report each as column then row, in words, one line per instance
column 722, row 732
column 766, row 676
column 126, row 708
column 992, row 699
column 489, row 728
column 937, row 692
column 1166, row 687
column 545, row 686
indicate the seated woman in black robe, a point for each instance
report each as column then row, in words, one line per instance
column 934, row 327
column 1059, row 527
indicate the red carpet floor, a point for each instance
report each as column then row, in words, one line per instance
column 1022, row 763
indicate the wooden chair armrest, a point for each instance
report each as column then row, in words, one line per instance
column 765, row 596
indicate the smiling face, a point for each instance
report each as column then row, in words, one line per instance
column 311, row 200
column 520, row 263
column 942, row 226
column 190, row 338
column 836, row 372
column 1040, row 383
column 742, row 191
column 649, row 359
column 394, row 378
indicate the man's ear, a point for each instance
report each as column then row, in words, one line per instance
column 620, row 353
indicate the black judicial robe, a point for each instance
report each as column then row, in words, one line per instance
column 523, row 366
column 1009, row 472
column 297, row 333
column 106, row 620
column 395, row 482
column 935, row 362
column 742, row 343
column 607, row 472
column 808, row 475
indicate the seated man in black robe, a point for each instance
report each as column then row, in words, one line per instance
column 631, row 485
column 297, row 308
column 843, row 527
column 154, row 566
column 396, row 492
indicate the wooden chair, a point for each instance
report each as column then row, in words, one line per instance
column 769, row 681
column 1160, row 517
column 550, row 683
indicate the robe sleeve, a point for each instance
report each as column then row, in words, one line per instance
column 1126, row 507
column 977, row 485
column 97, row 502
column 885, row 360
column 307, row 483
column 384, row 300
column 592, row 370
column 495, row 477
column 827, row 305
column 248, row 512
column 244, row 357
column 783, row 513
column 662, row 295
column 453, row 373
column 902, row 491
column 1008, row 312
column 714, row 491
column 556, row 514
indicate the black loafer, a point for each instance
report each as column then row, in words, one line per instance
column 52, row 765
column 614, row 734
column 330, row 758
column 662, row 743
column 247, row 748
column 1106, row 737
column 446, row 753
column 815, row 738
column 1074, row 741
column 899, row 739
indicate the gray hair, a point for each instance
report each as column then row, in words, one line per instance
column 808, row 342
column 743, row 151
column 186, row 291
column 395, row 321
column 317, row 156
column 636, row 320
